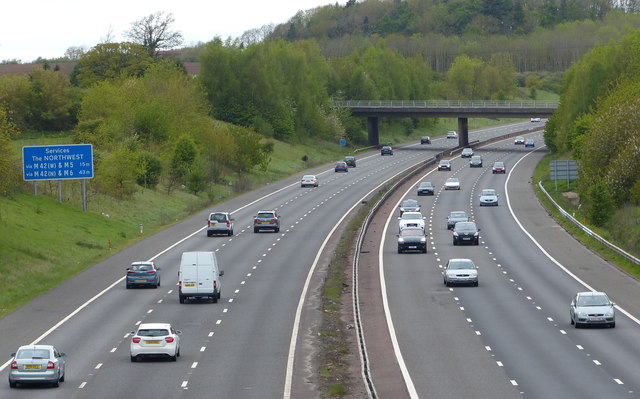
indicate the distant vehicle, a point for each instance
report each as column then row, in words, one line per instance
column 452, row 134
column 466, row 232
column 142, row 274
column 412, row 239
column 460, row 271
column 409, row 205
column 529, row 143
column 518, row 140
column 219, row 223
column 452, row 183
column 199, row 276
column 426, row 188
column 592, row 308
column 411, row 219
column 444, row 164
column 386, row 150
column 498, row 167
column 350, row 161
column 309, row 181
column 466, row 153
column 341, row 166
column 535, row 119
column 455, row 217
column 488, row 197
column 37, row 364
column 266, row 219
column 475, row 162
column 155, row 339
column 425, row 140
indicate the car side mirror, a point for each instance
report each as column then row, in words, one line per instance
column 128, row 268
column 613, row 304
column 132, row 333
column 397, row 235
column 221, row 273
column 157, row 268
column 13, row 354
column 479, row 229
column 62, row 354
column 178, row 332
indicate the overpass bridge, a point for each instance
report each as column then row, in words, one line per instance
column 463, row 110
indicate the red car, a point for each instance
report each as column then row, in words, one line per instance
column 498, row 167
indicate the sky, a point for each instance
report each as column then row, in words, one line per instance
column 38, row 28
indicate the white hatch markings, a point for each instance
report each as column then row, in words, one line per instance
column 597, row 363
column 98, row 366
column 203, row 348
column 82, row 385
column 619, row 381
column 194, row 365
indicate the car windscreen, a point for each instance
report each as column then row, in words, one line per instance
column 409, row 203
column 411, row 232
column 488, row 192
column 458, row 215
column 410, row 216
column 593, row 301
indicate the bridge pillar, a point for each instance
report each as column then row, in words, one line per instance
column 372, row 127
column 463, row 130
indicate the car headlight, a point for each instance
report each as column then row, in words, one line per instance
column 423, row 239
column 400, row 240
column 455, row 234
column 582, row 313
column 609, row 313
column 475, row 234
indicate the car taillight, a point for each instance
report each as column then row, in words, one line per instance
column 228, row 223
column 50, row 365
column 136, row 340
column 274, row 220
column 168, row 339
column 151, row 271
column 14, row 365
column 215, row 285
column 256, row 220
column 180, row 285
column 208, row 223
column 130, row 272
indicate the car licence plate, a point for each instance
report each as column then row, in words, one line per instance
column 152, row 342
column 32, row 366
column 265, row 222
column 190, row 284
column 140, row 281
column 412, row 247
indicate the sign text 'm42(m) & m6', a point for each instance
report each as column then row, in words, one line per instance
column 57, row 162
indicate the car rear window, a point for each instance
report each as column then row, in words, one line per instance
column 153, row 332
column 33, row 354
column 265, row 215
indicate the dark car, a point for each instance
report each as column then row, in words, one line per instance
column 425, row 140
column 455, row 217
column 350, row 161
column 466, row 233
column 529, row 143
column 341, row 166
column 386, row 150
column 498, row 167
column 412, row 239
column 266, row 220
column 409, row 205
column 466, row 153
column 475, row 162
column 143, row 274
column 426, row 188
column 444, row 164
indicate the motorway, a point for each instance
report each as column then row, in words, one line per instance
column 256, row 341
column 510, row 337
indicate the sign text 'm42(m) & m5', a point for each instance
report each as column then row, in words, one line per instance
column 57, row 162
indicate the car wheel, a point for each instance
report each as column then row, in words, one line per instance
column 399, row 250
column 255, row 229
column 128, row 286
column 173, row 358
column 230, row 233
column 612, row 325
column 577, row 325
column 12, row 384
column 181, row 299
column 455, row 242
column 571, row 320
column 178, row 353
column 477, row 242
column 209, row 234
column 56, row 383
column 62, row 378
column 277, row 229
column 134, row 359
column 214, row 298
column 475, row 284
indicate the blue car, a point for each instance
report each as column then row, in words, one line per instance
column 341, row 166
column 386, row 150
column 529, row 143
column 143, row 274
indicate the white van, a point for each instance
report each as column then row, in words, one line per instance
column 199, row 276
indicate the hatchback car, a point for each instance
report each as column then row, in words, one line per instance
column 475, row 161
column 529, row 143
column 518, row 140
column 455, row 217
column 498, row 167
column 350, row 161
column 592, row 308
column 444, row 164
column 266, row 220
column 452, row 183
column 219, row 223
column 412, row 239
column 488, row 197
column 452, row 134
column 466, row 153
column 341, row 166
column 309, row 181
column 411, row 220
column 155, row 339
column 386, row 150
column 37, row 364
column 466, row 232
column 460, row 271
column 409, row 205
column 142, row 274
column 425, row 140
column 426, row 188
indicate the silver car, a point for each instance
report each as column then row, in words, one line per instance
column 219, row 223
column 460, row 271
column 266, row 219
column 452, row 183
column 592, row 308
column 409, row 205
column 37, row 364
column 488, row 197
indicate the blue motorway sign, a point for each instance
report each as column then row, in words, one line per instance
column 58, row 162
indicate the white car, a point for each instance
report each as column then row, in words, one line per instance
column 155, row 339
column 460, row 271
column 452, row 183
column 309, row 181
column 411, row 219
column 535, row 119
column 518, row 141
column 488, row 197
column 452, row 134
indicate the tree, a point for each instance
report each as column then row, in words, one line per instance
column 153, row 32
column 9, row 166
column 109, row 61
column 184, row 156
